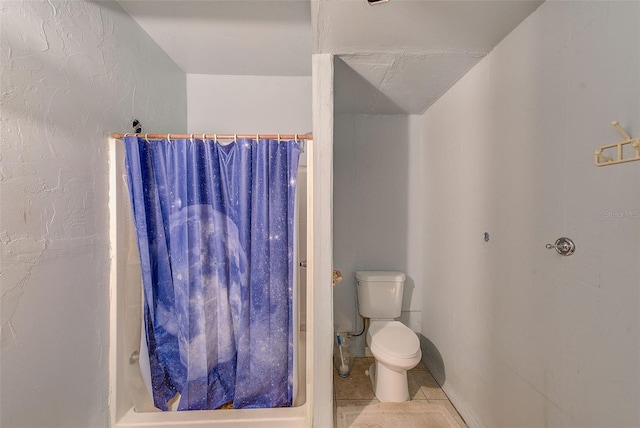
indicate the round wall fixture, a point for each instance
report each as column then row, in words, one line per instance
column 564, row 246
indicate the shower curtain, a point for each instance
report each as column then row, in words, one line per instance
column 215, row 231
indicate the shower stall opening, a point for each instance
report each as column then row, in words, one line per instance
column 130, row 401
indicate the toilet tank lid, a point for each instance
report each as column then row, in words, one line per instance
column 379, row 275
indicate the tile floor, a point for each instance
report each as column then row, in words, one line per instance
column 356, row 390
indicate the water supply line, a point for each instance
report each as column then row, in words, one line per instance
column 336, row 278
column 365, row 324
column 365, row 321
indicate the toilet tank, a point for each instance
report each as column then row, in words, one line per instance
column 379, row 293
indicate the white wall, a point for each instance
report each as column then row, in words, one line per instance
column 71, row 72
column 521, row 336
column 249, row 104
column 376, row 223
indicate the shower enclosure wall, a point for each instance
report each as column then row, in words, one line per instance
column 130, row 403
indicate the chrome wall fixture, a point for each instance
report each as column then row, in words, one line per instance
column 564, row 246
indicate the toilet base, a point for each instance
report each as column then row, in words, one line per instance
column 389, row 386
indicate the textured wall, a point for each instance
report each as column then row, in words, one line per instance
column 71, row 71
column 521, row 336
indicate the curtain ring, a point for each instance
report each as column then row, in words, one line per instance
column 191, row 138
column 215, row 138
column 278, row 138
column 146, row 137
column 257, row 138
column 235, row 138
column 169, row 138
column 296, row 138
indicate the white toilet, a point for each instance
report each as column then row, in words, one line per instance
column 395, row 347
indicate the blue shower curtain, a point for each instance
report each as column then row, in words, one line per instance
column 215, row 227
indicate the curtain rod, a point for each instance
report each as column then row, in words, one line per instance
column 308, row 136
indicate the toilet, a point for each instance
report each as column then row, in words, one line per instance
column 395, row 347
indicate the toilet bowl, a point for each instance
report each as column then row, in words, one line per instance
column 394, row 346
column 396, row 349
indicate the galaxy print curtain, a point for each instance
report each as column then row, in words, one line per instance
column 215, row 226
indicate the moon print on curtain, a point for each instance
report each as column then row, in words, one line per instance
column 215, row 228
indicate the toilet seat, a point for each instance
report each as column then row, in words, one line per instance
column 394, row 343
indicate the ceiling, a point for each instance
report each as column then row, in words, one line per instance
column 394, row 58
